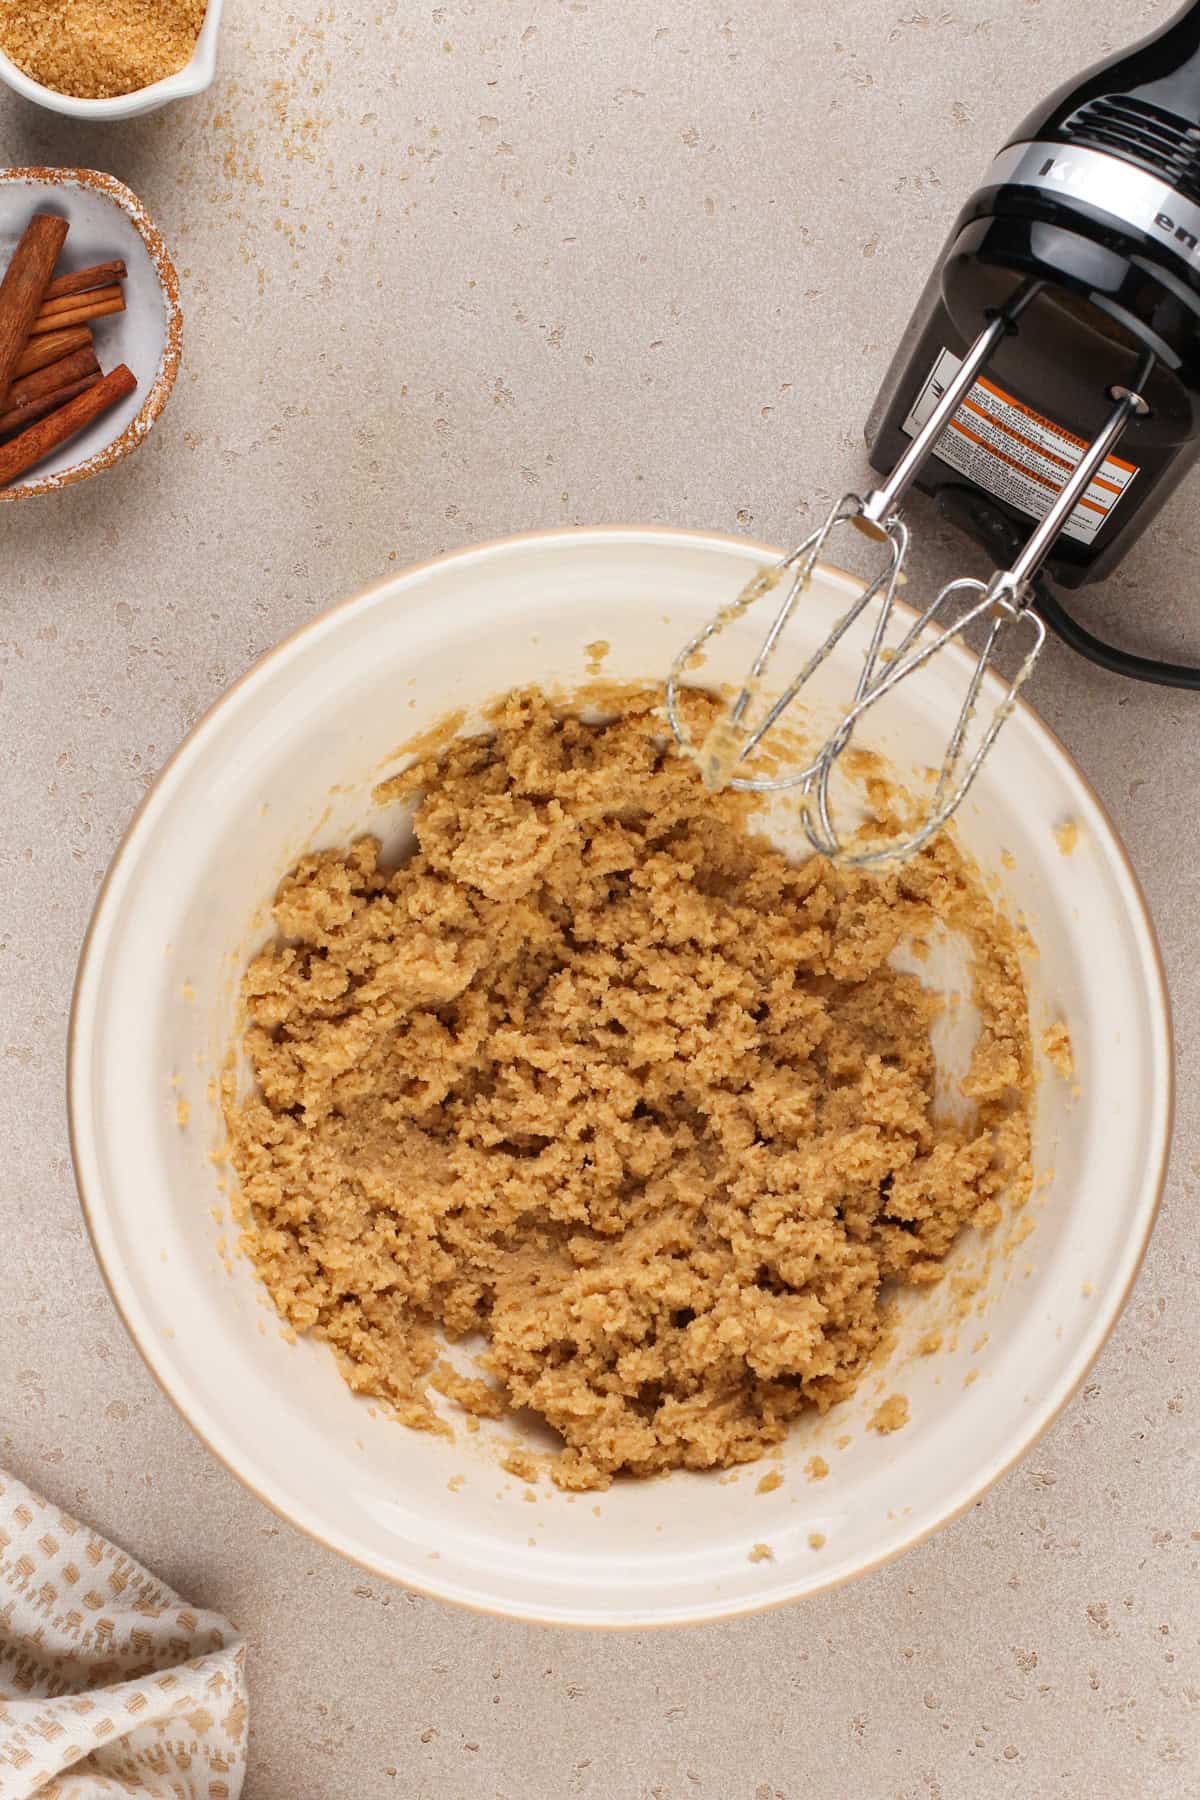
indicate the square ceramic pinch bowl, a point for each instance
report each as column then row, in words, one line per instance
column 106, row 221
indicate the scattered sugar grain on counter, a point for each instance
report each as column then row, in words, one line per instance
column 816, row 1468
column 596, row 653
column 816, row 1540
column 183, row 1112
column 1066, row 836
column 844, row 1442
column 891, row 1416
column 454, row 1484
column 770, row 1482
column 761, row 1553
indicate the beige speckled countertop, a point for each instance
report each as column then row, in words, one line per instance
column 449, row 272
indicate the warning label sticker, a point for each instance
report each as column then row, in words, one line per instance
column 1016, row 453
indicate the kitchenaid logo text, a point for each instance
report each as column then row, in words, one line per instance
column 1133, row 197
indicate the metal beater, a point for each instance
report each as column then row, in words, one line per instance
column 1063, row 317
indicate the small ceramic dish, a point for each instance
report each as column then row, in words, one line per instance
column 106, row 221
column 193, row 78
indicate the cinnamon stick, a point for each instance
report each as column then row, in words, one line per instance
column 24, row 288
column 66, row 303
column 82, row 281
column 21, row 453
column 48, row 349
column 17, row 417
column 53, row 376
column 87, row 306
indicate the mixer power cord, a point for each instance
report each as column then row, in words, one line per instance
column 967, row 510
column 1108, row 656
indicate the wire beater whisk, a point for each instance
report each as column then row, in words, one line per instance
column 1002, row 604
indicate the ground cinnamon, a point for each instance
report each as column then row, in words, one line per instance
column 24, row 287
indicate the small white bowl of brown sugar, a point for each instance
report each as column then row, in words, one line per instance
column 108, row 59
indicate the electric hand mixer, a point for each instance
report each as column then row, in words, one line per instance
column 1062, row 320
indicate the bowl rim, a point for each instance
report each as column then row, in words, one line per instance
column 196, row 74
column 88, row 975
column 159, row 390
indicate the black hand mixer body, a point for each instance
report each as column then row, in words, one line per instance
column 1047, row 393
column 1085, row 239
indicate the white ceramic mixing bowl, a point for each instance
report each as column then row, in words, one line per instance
column 286, row 760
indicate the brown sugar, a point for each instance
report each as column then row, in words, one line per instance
column 891, row 1416
column 1056, row 1047
column 95, row 49
column 601, row 1077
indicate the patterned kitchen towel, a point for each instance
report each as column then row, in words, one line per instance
column 109, row 1685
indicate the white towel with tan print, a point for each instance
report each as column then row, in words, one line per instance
column 109, row 1685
